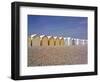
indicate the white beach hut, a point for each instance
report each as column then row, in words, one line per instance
column 69, row 41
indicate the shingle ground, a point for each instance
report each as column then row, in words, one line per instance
column 67, row 55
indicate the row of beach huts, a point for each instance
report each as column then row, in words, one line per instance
column 43, row 40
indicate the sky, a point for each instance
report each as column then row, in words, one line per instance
column 66, row 26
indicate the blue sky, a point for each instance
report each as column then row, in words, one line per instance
column 65, row 26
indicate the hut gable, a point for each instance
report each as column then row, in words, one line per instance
column 44, row 41
column 51, row 41
column 36, row 40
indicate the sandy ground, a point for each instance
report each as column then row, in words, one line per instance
column 67, row 55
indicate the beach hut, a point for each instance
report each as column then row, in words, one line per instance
column 51, row 41
column 57, row 41
column 66, row 41
column 62, row 43
column 35, row 40
column 29, row 41
column 80, row 42
column 84, row 42
column 44, row 41
column 73, row 41
column 77, row 41
column 69, row 41
column 41, row 36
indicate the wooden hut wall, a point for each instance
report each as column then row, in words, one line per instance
column 36, row 41
column 57, row 42
column 51, row 41
column 62, row 43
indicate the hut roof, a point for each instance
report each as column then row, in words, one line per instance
column 61, row 37
column 75, row 39
column 33, row 35
column 55, row 37
column 41, row 36
column 68, row 37
column 72, row 38
column 65, row 38
column 44, row 36
column 49, row 37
